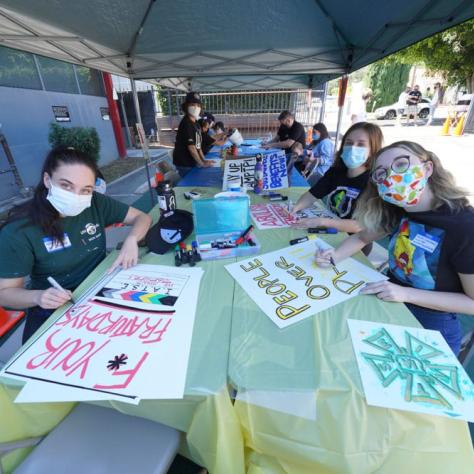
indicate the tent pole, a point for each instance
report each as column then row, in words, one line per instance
column 340, row 102
column 323, row 103
column 144, row 144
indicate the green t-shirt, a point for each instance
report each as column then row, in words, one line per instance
column 26, row 250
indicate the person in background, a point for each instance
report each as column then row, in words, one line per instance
column 187, row 151
column 100, row 184
column 219, row 128
column 207, row 141
column 359, row 106
column 290, row 137
column 321, row 155
column 345, row 180
column 413, row 99
column 435, row 100
column 402, row 104
column 60, row 233
column 412, row 198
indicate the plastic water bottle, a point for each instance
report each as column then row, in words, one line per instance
column 258, row 177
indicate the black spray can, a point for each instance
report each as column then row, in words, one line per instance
column 166, row 197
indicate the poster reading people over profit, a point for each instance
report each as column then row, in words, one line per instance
column 288, row 286
column 113, row 351
column 412, row 369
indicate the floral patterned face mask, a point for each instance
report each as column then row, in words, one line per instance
column 403, row 189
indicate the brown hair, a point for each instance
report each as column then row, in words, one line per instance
column 375, row 214
column 375, row 143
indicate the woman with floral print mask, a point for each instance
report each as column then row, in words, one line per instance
column 413, row 199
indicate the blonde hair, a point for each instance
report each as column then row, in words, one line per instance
column 375, row 214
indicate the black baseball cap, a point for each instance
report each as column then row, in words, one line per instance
column 208, row 117
column 193, row 98
column 169, row 231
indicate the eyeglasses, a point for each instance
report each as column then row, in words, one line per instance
column 399, row 165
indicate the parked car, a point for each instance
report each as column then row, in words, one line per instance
column 389, row 112
column 463, row 102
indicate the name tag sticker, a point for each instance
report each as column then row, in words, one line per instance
column 352, row 193
column 55, row 246
column 426, row 242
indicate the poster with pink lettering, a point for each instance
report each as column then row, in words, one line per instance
column 288, row 286
column 103, row 351
column 276, row 216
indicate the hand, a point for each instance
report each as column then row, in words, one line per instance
column 387, row 291
column 322, row 258
column 128, row 256
column 208, row 163
column 52, row 298
column 308, row 222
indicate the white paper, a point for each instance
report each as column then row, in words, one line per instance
column 411, row 369
column 276, row 216
column 288, row 286
column 148, row 287
column 300, row 404
column 239, row 172
column 40, row 392
column 125, row 354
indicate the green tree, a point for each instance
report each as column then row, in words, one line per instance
column 386, row 79
column 450, row 53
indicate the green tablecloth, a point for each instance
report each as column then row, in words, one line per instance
column 323, row 424
column 312, row 363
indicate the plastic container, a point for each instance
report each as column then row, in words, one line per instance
column 223, row 220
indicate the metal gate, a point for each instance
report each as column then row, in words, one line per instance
column 254, row 113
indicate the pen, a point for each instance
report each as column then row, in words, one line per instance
column 322, row 230
column 244, row 235
column 56, row 285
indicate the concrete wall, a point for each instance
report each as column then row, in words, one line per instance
column 25, row 116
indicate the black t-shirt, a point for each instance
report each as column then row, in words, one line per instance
column 413, row 97
column 341, row 191
column 295, row 132
column 189, row 133
column 429, row 249
column 207, row 142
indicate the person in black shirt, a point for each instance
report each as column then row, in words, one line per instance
column 290, row 137
column 413, row 98
column 209, row 141
column 187, row 151
column 345, row 180
column 412, row 198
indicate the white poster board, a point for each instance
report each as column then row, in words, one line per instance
column 411, row 369
column 241, row 171
column 288, row 286
column 120, row 353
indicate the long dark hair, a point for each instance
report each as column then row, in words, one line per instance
column 39, row 211
column 323, row 132
column 375, row 143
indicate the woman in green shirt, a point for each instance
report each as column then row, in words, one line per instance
column 61, row 233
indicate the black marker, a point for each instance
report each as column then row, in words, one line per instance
column 298, row 241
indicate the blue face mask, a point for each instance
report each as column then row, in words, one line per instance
column 316, row 136
column 354, row 156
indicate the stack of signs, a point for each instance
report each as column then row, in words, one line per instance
column 411, row 369
column 128, row 341
column 241, row 172
column 276, row 216
column 288, row 286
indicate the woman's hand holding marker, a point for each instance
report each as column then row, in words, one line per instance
column 324, row 258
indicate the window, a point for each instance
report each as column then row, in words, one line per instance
column 58, row 76
column 90, row 81
column 18, row 69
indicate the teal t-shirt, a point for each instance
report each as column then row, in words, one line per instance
column 26, row 250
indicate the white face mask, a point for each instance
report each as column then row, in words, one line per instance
column 67, row 203
column 194, row 111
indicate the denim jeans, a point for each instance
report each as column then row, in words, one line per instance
column 446, row 323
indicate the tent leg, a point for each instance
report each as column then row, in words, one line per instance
column 145, row 147
column 323, row 103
